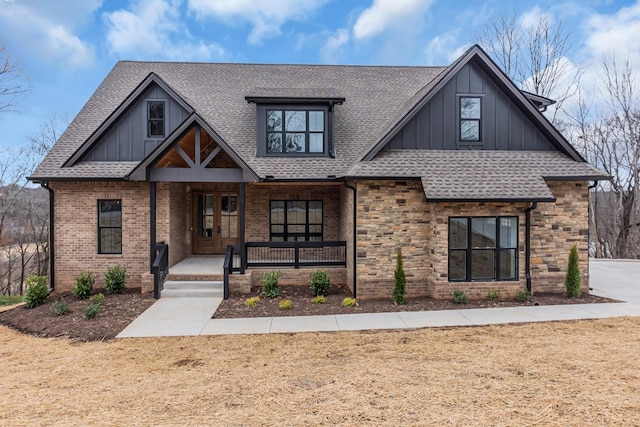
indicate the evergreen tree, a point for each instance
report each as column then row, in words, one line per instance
column 400, row 288
column 572, row 279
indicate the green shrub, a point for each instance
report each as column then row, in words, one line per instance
column 252, row 302
column 459, row 297
column 285, row 304
column 318, row 300
column 572, row 279
column 10, row 299
column 523, row 295
column 493, row 295
column 400, row 287
column 37, row 291
column 115, row 279
column 270, row 287
column 92, row 311
column 60, row 308
column 349, row 302
column 84, row 285
column 97, row 299
column 319, row 283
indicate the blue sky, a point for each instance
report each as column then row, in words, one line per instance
column 66, row 47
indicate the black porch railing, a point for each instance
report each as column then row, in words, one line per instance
column 160, row 268
column 296, row 254
column 232, row 262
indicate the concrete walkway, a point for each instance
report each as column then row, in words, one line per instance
column 619, row 280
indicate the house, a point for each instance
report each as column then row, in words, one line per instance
column 335, row 166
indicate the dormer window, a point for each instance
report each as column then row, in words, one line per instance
column 294, row 126
column 295, row 130
column 155, row 119
column 470, row 118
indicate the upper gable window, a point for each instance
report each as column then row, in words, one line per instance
column 470, row 118
column 155, row 119
column 295, row 131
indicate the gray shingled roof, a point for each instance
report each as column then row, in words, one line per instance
column 374, row 97
column 478, row 175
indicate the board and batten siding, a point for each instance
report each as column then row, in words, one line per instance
column 127, row 139
column 504, row 125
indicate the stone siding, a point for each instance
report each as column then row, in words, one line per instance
column 556, row 227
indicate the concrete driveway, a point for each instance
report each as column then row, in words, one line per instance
column 617, row 279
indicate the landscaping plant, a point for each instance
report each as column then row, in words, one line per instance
column 60, row 308
column 37, row 291
column 400, row 287
column 319, row 283
column 270, row 287
column 318, row 300
column 493, row 295
column 285, row 304
column 523, row 296
column 95, row 307
column 115, row 279
column 572, row 279
column 252, row 302
column 84, row 285
column 349, row 302
column 459, row 297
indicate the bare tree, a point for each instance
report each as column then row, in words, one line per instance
column 537, row 56
column 611, row 142
column 12, row 82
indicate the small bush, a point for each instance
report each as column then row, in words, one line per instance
column 252, row 302
column 318, row 300
column 319, row 283
column 115, row 279
column 349, row 302
column 60, row 308
column 97, row 299
column 37, row 291
column 493, row 295
column 84, row 285
column 285, row 304
column 270, row 287
column 523, row 296
column 92, row 311
column 400, row 287
column 459, row 297
column 572, row 279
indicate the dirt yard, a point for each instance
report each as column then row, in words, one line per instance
column 560, row 373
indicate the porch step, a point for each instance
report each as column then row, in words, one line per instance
column 191, row 277
column 192, row 289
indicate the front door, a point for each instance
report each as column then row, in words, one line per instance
column 216, row 222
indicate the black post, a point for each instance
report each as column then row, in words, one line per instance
column 152, row 224
column 243, row 249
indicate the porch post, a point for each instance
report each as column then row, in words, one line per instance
column 152, row 223
column 243, row 252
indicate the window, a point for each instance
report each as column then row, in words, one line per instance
column 470, row 115
column 155, row 119
column 295, row 220
column 295, row 131
column 109, row 227
column 483, row 248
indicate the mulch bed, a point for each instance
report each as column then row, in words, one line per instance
column 301, row 297
column 117, row 312
column 120, row 310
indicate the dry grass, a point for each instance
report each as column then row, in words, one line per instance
column 564, row 373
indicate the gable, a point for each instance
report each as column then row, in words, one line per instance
column 504, row 125
column 127, row 138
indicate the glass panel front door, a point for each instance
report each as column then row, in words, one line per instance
column 216, row 219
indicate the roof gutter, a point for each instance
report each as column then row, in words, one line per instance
column 527, row 256
column 52, row 271
column 355, row 222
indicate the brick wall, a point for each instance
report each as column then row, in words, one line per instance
column 556, row 227
column 76, row 230
column 258, row 197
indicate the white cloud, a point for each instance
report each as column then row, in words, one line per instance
column 384, row 14
column 47, row 30
column 615, row 33
column 266, row 17
column 444, row 49
column 152, row 29
column 333, row 45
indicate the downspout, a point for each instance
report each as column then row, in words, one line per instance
column 595, row 184
column 355, row 248
column 52, row 271
column 527, row 247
